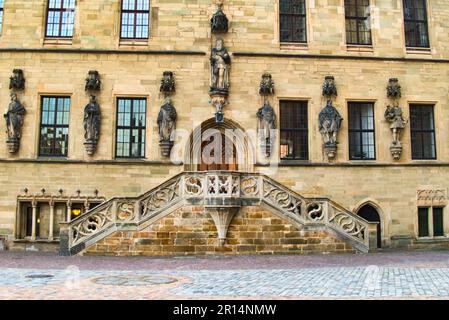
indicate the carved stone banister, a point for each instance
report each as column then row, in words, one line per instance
column 222, row 193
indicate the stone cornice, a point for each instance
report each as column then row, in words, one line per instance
column 102, row 51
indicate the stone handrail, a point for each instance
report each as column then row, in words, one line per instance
column 214, row 189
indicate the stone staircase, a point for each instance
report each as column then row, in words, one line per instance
column 221, row 193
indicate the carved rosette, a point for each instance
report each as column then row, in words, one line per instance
column 329, row 119
column 394, row 115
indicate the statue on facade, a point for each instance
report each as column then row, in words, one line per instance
column 394, row 115
column 266, row 86
column 329, row 119
column 168, row 85
column 14, row 122
column 166, row 121
column 93, row 82
column 219, row 22
column 92, row 123
column 220, row 62
column 329, row 123
column 17, row 80
column 266, row 126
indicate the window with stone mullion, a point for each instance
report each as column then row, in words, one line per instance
column 135, row 19
column 60, row 18
column 358, row 27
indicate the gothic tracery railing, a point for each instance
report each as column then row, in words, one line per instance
column 208, row 187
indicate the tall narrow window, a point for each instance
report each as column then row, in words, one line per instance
column 1, row 15
column 361, row 131
column 135, row 19
column 60, row 18
column 54, row 135
column 415, row 24
column 358, row 27
column 423, row 222
column 294, row 130
column 293, row 21
column 131, row 128
column 422, row 129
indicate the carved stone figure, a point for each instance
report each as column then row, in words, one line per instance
column 329, row 121
column 393, row 114
column 220, row 62
column 14, row 122
column 267, row 123
column 329, row 87
column 266, row 87
column 17, row 81
column 93, row 82
column 393, row 89
column 92, row 122
column 168, row 85
column 166, row 121
column 219, row 22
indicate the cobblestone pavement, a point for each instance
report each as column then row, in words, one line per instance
column 404, row 275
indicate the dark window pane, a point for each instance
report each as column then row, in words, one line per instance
column 294, row 130
column 438, row 227
column 358, row 27
column 362, row 144
column 54, row 133
column 60, row 18
column 131, row 117
column 292, row 19
column 135, row 19
column 422, row 129
column 415, row 23
column 423, row 222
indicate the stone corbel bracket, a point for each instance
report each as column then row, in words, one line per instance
column 222, row 217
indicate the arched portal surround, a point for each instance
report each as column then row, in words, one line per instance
column 369, row 209
column 232, row 131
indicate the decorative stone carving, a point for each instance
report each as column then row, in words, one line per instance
column 168, row 85
column 161, row 197
column 92, row 123
column 266, row 87
column 432, row 197
column 266, row 126
column 220, row 62
column 166, row 121
column 394, row 89
column 125, row 211
column 222, row 218
column 329, row 122
column 17, row 81
column 315, row 211
column 393, row 114
column 14, row 122
column 94, row 223
column 93, row 82
column 329, row 87
column 219, row 22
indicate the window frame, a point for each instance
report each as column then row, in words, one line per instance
column 301, row 16
column 135, row 12
column 301, row 104
column 416, row 22
column 54, row 126
column 362, row 131
column 423, row 131
column 60, row 10
column 358, row 19
column 430, row 213
column 140, row 128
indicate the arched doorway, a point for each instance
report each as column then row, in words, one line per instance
column 224, row 146
column 218, row 152
column 369, row 213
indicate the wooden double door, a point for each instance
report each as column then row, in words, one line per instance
column 218, row 152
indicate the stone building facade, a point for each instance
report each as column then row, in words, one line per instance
column 47, row 181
